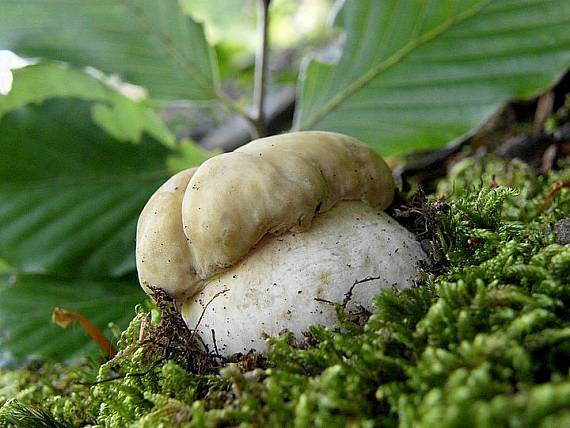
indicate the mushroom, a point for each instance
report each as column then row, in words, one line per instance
column 265, row 238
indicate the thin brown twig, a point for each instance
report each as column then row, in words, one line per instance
column 348, row 295
column 195, row 331
column 328, row 302
column 123, row 376
column 216, row 352
column 554, row 189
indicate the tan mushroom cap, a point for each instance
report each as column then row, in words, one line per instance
column 206, row 219
column 162, row 253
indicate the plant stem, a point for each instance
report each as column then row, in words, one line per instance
column 63, row 318
column 258, row 110
column 256, row 116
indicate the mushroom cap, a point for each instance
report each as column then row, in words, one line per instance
column 162, row 250
column 285, row 281
column 204, row 220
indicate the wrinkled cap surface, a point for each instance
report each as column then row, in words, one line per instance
column 204, row 220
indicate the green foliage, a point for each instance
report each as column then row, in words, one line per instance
column 32, row 418
column 27, row 302
column 418, row 74
column 411, row 75
column 475, row 227
column 4, row 267
column 484, row 344
column 70, row 194
column 121, row 117
column 148, row 42
column 408, row 75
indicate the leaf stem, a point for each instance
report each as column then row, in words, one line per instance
column 256, row 116
column 63, row 318
column 260, row 78
column 231, row 105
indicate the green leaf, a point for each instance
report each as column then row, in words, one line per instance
column 416, row 74
column 26, row 305
column 70, row 194
column 4, row 267
column 147, row 42
column 122, row 117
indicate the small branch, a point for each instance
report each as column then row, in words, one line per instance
column 123, row 376
column 348, row 295
column 258, row 110
column 235, row 131
column 328, row 302
column 216, row 352
column 554, row 189
column 215, row 296
column 256, row 117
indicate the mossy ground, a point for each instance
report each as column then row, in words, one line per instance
column 483, row 341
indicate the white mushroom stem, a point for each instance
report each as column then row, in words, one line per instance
column 285, row 280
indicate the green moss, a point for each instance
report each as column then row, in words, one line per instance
column 486, row 343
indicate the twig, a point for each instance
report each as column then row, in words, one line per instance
column 260, row 83
column 235, row 132
column 543, row 110
column 328, row 302
column 549, row 158
column 112, row 378
column 219, row 293
column 554, row 189
column 217, row 353
column 348, row 295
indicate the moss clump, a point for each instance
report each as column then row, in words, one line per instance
column 486, row 343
